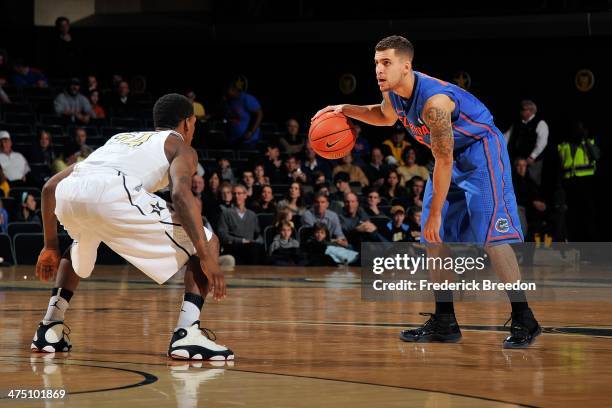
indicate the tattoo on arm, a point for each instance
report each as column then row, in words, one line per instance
column 439, row 123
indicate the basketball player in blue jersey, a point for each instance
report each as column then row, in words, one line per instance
column 470, row 197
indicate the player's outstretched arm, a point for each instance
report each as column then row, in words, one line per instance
column 49, row 258
column 437, row 115
column 183, row 166
column 381, row 114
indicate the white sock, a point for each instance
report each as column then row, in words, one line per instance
column 55, row 312
column 190, row 310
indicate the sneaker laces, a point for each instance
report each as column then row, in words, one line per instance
column 210, row 335
column 517, row 329
column 431, row 323
column 66, row 333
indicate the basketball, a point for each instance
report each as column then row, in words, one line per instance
column 331, row 135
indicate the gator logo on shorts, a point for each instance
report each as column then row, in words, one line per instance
column 502, row 225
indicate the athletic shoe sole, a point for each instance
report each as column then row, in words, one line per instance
column 508, row 345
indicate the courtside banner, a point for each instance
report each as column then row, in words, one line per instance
column 410, row 272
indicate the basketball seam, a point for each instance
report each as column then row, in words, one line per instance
column 331, row 134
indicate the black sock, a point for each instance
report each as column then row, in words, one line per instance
column 518, row 301
column 195, row 299
column 63, row 293
column 444, row 302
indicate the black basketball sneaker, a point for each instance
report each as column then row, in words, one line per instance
column 51, row 338
column 195, row 343
column 441, row 328
column 523, row 330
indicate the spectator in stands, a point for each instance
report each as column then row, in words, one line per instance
column 4, row 218
column 283, row 215
column 239, row 230
column 372, row 203
column 318, row 177
column 198, row 108
column 197, row 188
column 284, row 249
column 92, row 84
column 43, row 151
column 226, row 195
column 26, row 77
column 355, row 172
column 294, row 199
column 97, row 111
column 5, row 187
column 416, row 188
column 227, row 174
column 320, row 213
column 376, row 170
column 73, row 105
column 211, row 198
column 341, row 181
column 410, row 168
column 414, row 222
column 528, row 196
column 5, row 72
column 313, row 164
column 356, row 224
column 14, row 165
column 293, row 170
column 528, row 137
column 274, row 165
column 122, row 104
column 80, row 140
column 314, row 247
column 392, row 190
column 28, row 211
column 260, row 175
column 65, row 59
column 292, row 141
column 361, row 150
column 248, row 181
column 265, row 204
column 396, row 145
column 396, row 230
column 244, row 114
column 70, row 155
column 214, row 182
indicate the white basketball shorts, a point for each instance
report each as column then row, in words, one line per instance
column 108, row 206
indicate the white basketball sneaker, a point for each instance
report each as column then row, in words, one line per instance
column 51, row 338
column 195, row 343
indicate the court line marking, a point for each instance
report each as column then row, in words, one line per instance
column 286, row 375
column 148, row 377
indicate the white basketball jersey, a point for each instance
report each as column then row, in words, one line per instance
column 137, row 154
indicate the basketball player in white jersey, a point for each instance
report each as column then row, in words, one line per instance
column 108, row 198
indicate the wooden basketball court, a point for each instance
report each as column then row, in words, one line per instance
column 302, row 338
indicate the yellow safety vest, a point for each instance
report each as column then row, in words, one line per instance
column 576, row 160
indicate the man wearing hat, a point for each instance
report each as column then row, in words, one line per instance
column 14, row 165
column 72, row 104
column 396, row 230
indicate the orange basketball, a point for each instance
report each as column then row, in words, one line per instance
column 331, row 135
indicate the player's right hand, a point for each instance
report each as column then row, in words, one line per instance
column 216, row 280
column 330, row 108
column 47, row 263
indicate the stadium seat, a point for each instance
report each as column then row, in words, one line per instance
column 8, row 203
column 27, row 246
column 220, row 153
column 17, row 108
column 269, row 233
column 19, row 227
column 304, row 233
column 15, row 128
column 40, row 172
column 16, row 192
column 6, row 250
column 130, row 123
column 52, row 120
column 20, row 117
column 112, row 131
column 380, row 222
column 264, row 220
column 252, row 156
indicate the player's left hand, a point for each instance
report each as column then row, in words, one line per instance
column 47, row 263
column 431, row 231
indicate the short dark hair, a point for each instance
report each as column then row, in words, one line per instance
column 170, row 110
column 398, row 43
column 60, row 20
column 342, row 176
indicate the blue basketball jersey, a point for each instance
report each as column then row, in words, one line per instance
column 471, row 119
column 480, row 205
